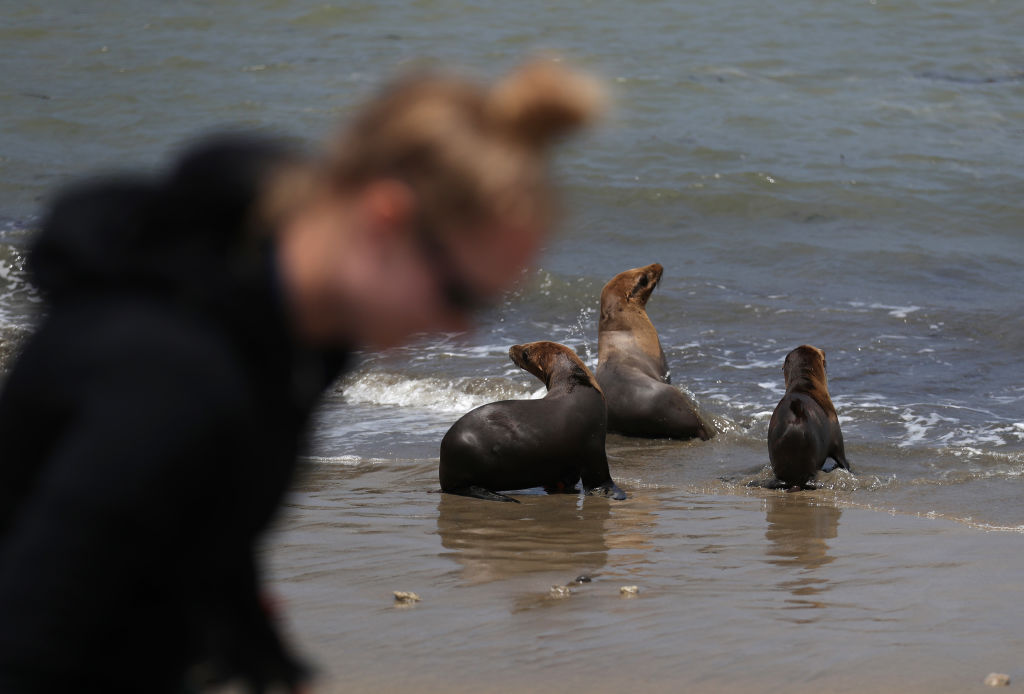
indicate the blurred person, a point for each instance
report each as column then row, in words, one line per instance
column 151, row 424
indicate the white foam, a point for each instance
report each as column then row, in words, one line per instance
column 894, row 311
column 349, row 460
column 435, row 394
column 918, row 426
column 763, row 364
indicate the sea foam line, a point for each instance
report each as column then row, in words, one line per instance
column 436, row 394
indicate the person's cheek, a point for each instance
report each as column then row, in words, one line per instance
column 417, row 305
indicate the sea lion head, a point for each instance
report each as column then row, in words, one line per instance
column 549, row 360
column 626, row 295
column 805, row 366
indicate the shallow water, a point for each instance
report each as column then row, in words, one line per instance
column 765, row 592
column 844, row 174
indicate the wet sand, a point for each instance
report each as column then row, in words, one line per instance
column 753, row 591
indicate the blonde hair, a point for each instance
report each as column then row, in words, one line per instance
column 472, row 154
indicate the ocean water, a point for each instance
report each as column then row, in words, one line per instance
column 847, row 175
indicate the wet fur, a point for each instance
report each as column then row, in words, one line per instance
column 804, row 429
column 632, row 368
column 518, row 444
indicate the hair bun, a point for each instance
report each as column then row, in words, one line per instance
column 543, row 100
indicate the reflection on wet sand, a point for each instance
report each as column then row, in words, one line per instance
column 798, row 532
column 633, row 528
column 493, row 540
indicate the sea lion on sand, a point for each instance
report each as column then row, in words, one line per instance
column 631, row 365
column 804, row 429
column 517, row 444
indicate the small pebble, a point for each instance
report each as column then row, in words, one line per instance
column 629, row 590
column 560, row 591
column 996, row 679
column 405, row 597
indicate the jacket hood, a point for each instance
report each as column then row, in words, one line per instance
column 172, row 232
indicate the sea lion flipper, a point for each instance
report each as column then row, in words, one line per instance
column 481, row 493
column 608, row 489
column 838, row 452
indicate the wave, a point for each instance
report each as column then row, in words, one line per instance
column 347, row 460
column 19, row 299
column 947, row 429
column 338, row 460
column 894, row 311
column 838, row 480
column 968, row 521
column 430, row 393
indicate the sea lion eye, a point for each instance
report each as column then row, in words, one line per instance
column 526, row 355
column 642, row 282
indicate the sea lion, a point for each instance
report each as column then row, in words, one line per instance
column 631, row 366
column 804, row 428
column 516, row 444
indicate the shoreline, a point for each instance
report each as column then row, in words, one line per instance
column 776, row 593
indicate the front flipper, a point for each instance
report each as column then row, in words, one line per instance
column 838, row 452
column 480, row 493
column 776, row 483
column 608, row 489
column 839, row 460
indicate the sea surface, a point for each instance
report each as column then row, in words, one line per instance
column 843, row 174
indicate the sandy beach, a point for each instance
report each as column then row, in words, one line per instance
column 761, row 591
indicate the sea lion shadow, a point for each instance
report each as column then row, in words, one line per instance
column 798, row 531
column 543, row 533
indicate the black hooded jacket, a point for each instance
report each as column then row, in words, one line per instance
column 150, row 428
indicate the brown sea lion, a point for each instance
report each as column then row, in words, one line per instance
column 517, row 444
column 631, row 366
column 804, row 428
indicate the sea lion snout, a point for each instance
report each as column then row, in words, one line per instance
column 552, row 361
column 536, row 357
column 643, row 282
column 519, row 355
column 624, row 297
